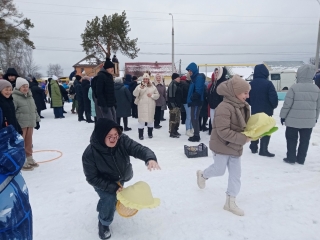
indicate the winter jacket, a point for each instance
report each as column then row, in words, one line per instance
column 64, row 93
column 15, row 209
column 79, row 92
column 175, row 95
column 146, row 105
column 204, row 109
column 104, row 90
column 104, row 166
column 8, row 113
column 93, row 108
column 38, row 95
column 317, row 79
column 161, row 101
column 11, row 72
column 185, row 84
column 302, row 103
column 124, row 99
column 25, row 108
column 263, row 96
column 85, row 86
column 230, row 119
column 214, row 99
column 55, row 94
column 195, row 94
column 127, row 81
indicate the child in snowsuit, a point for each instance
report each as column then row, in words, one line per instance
column 227, row 140
column 300, row 112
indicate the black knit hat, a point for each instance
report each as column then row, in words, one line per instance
column 175, row 76
column 103, row 127
column 134, row 78
column 78, row 77
column 108, row 64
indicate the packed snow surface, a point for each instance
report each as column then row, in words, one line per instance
column 281, row 201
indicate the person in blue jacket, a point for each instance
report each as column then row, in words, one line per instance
column 195, row 99
column 263, row 99
column 15, row 209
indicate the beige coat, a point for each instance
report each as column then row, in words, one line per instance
column 230, row 120
column 146, row 105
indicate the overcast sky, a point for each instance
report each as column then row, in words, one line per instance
column 228, row 31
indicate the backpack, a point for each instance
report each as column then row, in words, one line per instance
column 12, row 154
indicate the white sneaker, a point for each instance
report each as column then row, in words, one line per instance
column 231, row 206
column 201, row 181
column 189, row 133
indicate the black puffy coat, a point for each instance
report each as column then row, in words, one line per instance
column 9, row 113
column 104, row 166
column 185, row 90
column 124, row 99
column 64, row 93
column 263, row 96
column 104, row 90
column 214, row 99
column 79, row 93
column 38, row 95
column 85, row 85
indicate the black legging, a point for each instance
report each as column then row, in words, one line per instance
column 157, row 116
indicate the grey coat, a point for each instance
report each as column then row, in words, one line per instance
column 302, row 104
column 124, row 99
column 26, row 110
column 161, row 101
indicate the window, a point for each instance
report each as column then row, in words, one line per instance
column 275, row 77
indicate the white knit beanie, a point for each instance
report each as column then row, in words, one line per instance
column 20, row 82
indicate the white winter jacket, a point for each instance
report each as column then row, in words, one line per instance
column 146, row 105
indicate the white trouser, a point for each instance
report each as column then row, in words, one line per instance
column 221, row 162
column 142, row 124
column 211, row 115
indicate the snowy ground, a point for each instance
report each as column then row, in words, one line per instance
column 280, row 201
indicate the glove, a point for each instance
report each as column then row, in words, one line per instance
column 283, row 121
column 37, row 126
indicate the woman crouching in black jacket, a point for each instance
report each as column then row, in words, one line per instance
column 106, row 161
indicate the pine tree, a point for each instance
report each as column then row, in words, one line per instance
column 110, row 32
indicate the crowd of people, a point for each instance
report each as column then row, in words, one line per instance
column 106, row 101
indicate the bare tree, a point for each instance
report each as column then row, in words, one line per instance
column 55, row 69
column 31, row 68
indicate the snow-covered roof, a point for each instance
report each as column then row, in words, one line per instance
column 164, row 69
column 284, row 65
column 244, row 72
column 91, row 60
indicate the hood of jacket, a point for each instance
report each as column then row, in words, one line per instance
column 11, row 72
column 194, row 69
column 261, row 71
column 18, row 93
column 118, row 85
column 128, row 78
column 305, row 73
column 101, row 130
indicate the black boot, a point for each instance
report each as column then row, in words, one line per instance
column 104, row 231
column 174, row 132
column 141, row 133
column 150, row 130
column 210, row 126
column 254, row 146
column 194, row 139
column 264, row 143
column 88, row 118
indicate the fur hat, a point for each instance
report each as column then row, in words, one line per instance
column 146, row 75
column 108, row 64
column 54, row 77
column 73, row 78
column 20, row 82
column 4, row 84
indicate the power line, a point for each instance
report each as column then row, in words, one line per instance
column 194, row 14
column 187, row 54
column 193, row 44
column 176, row 20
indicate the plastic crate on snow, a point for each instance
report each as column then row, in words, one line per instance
column 197, row 151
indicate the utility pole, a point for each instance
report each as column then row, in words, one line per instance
column 318, row 45
column 172, row 44
column 180, row 67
